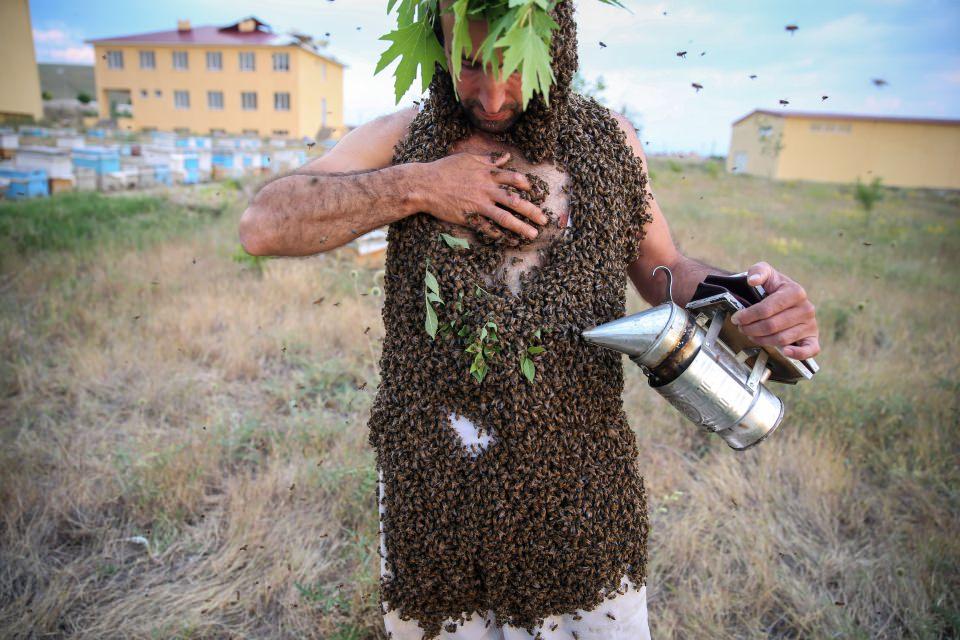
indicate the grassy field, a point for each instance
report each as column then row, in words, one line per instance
column 184, row 449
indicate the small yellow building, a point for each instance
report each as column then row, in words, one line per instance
column 20, row 81
column 240, row 78
column 824, row 147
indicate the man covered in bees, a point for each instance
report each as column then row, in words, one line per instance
column 511, row 503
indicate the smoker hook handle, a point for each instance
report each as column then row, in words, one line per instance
column 669, row 279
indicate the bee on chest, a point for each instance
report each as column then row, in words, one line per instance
column 520, row 254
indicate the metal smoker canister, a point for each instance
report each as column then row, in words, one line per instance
column 696, row 372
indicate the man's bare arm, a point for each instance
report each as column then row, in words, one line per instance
column 785, row 317
column 305, row 213
column 659, row 248
column 355, row 188
column 331, row 200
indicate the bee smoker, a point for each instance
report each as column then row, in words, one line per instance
column 698, row 360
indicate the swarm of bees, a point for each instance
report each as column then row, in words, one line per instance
column 537, row 195
column 549, row 517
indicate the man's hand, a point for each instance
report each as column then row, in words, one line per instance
column 784, row 317
column 468, row 183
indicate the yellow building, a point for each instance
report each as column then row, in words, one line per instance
column 239, row 78
column 823, row 147
column 20, row 81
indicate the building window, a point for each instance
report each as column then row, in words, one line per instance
column 248, row 100
column 214, row 61
column 323, row 112
column 247, row 61
column 281, row 132
column 218, row 132
column 148, row 60
column 180, row 60
column 144, row 93
column 281, row 101
column 114, row 59
column 251, row 132
column 158, row 93
column 765, row 132
column 215, row 100
column 281, row 62
column 184, row 131
column 830, row 127
column 181, row 99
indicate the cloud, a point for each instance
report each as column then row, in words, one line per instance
column 72, row 55
column 49, row 36
column 58, row 43
column 884, row 105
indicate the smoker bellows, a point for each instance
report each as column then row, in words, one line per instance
column 703, row 366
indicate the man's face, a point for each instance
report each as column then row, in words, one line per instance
column 491, row 104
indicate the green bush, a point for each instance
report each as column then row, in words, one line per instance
column 712, row 169
column 868, row 194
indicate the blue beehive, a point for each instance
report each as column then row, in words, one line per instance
column 223, row 158
column 191, row 166
column 161, row 172
column 100, row 159
column 25, row 183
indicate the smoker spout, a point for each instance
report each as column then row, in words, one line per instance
column 633, row 335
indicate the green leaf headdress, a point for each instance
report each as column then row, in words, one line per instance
column 523, row 28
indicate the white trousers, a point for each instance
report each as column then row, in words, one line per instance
column 629, row 609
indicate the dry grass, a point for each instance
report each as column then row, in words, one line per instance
column 184, row 444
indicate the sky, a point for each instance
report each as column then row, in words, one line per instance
column 836, row 51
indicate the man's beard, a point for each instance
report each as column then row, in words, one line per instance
column 536, row 129
column 472, row 108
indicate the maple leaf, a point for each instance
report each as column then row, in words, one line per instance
column 525, row 49
column 418, row 46
column 461, row 35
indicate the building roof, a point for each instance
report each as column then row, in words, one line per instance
column 227, row 35
column 814, row 115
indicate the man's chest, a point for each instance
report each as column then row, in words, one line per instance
column 517, row 260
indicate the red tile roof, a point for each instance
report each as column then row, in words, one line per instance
column 224, row 36
column 198, row 35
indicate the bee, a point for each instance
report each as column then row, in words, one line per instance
column 697, row 86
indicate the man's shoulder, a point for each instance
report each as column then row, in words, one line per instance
column 371, row 145
column 629, row 131
column 624, row 123
column 397, row 121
